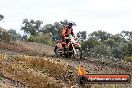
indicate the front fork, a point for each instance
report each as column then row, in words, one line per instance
column 74, row 49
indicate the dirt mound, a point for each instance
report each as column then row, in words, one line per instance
column 36, row 65
column 33, row 49
column 33, row 72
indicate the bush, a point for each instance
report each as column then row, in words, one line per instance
column 4, row 35
column 90, row 44
column 43, row 38
column 102, row 50
column 128, row 59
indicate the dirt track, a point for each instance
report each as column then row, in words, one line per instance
column 42, row 50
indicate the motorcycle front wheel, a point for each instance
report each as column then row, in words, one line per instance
column 78, row 54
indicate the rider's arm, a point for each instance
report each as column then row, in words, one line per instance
column 63, row 32
column 72, row 33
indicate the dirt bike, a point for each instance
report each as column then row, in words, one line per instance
column 72, row 49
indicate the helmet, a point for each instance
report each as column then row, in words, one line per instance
column 70, row 25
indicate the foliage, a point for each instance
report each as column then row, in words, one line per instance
column 109, row 42
column 49, row 28
column 66, row 22
column 129, row 48
column 14, row 35
column 82, row 35
column 100, row 35
column 89, row 44
column 127, row 35
column 103, row 43
column 117, row 51
column 43, row 38
column 1, row 17
column 118, row 38
column 47, row 34
column 24, row 37
column 55, row 29
column 4, row 35
column 128, row 59
column 99, row 42
column 31, row 27
column 102, row 50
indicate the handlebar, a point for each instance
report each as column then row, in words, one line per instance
column 70, row 38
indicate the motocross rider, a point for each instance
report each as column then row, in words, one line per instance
column 67, row 30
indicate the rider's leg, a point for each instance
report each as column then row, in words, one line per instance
column 63, row 47
column 63, row 42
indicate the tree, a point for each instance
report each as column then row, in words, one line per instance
column 4, row 35
column 14, row 35
column 90, row 43
column 130, row 36
column 24, row 37
column 130, row 48
column 1, row 17
column 66, row 22
column 100, row 35
column 102, row 50
column 59, row 28
column 109, row 42
column 49, row 28
column 127, row 35
column 55, row 29
column 119, row 50
column 118, row 38
column 32, row 27
column 43, row 38
column 82, row 35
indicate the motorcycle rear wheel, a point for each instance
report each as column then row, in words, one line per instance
column 56, row 51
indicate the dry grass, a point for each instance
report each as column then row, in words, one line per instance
column 51, row 68
column 20, row 69
column 17, row 48
column 2, row 85
column 38, row 72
